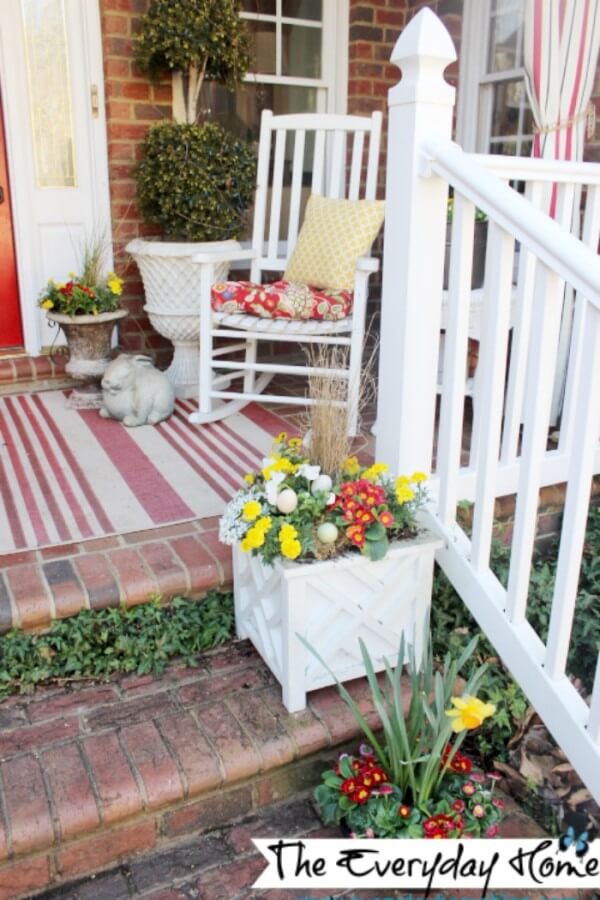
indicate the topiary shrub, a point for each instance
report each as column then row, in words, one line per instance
column 197, row 40
column 195, row 181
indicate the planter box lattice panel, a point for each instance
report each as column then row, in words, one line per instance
column 332, row 604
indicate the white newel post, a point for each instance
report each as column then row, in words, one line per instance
column 414, row 238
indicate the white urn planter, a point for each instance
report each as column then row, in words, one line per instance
column 171, row 287
column 331, row 604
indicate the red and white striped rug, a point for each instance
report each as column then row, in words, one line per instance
column 70, row 475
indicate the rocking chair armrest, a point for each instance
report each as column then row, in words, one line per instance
column 217, row 256
column 367, row 264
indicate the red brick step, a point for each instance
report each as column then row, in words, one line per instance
column 96, row 774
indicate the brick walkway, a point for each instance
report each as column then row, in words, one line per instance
column 223, row 864
column 97, row 773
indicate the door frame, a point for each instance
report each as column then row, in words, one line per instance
column 19, row 148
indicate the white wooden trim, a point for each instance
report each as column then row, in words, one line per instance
column 32, row 270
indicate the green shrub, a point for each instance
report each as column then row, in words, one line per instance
column 100, row 643
column 195, row 181
column 207, row 34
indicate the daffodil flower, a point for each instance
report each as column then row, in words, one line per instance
column 469, row 713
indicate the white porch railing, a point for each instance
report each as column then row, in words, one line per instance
column 511, row 388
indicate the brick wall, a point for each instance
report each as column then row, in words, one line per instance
column 132, row 105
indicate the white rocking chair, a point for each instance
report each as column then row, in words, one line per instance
column 337, row 169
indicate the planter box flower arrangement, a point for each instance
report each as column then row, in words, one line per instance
column 332, row 553
column 413, row 781
column 86, row 307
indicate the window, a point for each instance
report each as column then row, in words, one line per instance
column 300, row 63
column 49, row 92
column 493, row 113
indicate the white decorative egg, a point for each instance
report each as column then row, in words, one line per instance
column 327, row 533
column 321, row 483
column 287, row 501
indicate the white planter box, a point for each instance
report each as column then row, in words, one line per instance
column 331, row 604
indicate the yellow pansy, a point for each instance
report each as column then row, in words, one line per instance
column 295, row 443
column 115, row 283
column 251, row 510
column 417, row 477
column 351, row 466
column 281, row 437
column 291, row 548
column 287, row 532
column 469, row 713
column 375, row 470
column 47, row 304
column 249, row 478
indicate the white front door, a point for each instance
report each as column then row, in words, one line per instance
column 53, row 94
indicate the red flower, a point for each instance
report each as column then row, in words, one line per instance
column 404, row 811
column 348, row 786
column 356, row 533
column 360, row 796
column 386, row 518
column 458, row 805
column 442, row 826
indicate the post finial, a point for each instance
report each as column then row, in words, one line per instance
column 422, row 52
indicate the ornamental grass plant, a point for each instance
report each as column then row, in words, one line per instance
column 412, row 780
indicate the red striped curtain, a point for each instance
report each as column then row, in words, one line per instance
column 561, row 41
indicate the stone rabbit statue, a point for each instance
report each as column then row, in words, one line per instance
column 136, row 393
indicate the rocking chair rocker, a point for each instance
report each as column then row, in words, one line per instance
column 335, row 171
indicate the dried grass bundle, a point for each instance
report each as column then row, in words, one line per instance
column 327, row 420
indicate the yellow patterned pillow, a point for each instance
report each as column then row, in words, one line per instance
column 334, row 235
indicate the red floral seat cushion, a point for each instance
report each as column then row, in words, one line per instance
column 281, row 300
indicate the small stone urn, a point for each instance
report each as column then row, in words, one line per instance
column 89, row 340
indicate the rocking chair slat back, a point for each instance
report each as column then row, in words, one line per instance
column 303, row 153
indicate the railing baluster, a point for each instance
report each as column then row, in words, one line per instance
column 590, row 237
column 489, row 398
column 520, row 341
column 455, row 354
column 594, row 719
column 545, row 326
column 581, row 469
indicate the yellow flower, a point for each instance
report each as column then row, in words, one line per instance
column 287, row 532
column 280, row 465
column 281, row 437
column 114, row 283
column 375, row 470
column 249, row 478
column 291, row 548
column 264, row 524
column 469, row 713
column 295, row 443
column 404, row 493
column 254, row 538
column 47, row 304
column 60, row 287
column 417, row 477
column 351, row 466
column 251, row 510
